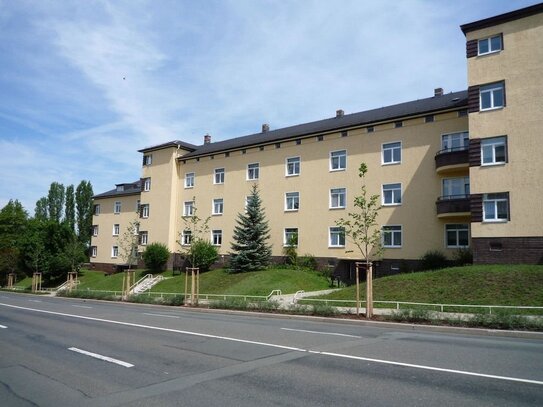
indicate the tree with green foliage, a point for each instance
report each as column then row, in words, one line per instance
column 13, row 223
column 83, row 201
column 156, row 256
column 291, row 250
column 250, row 250
column 69, row 210
column 55, row 201
column 41, row 212
column 128, row 244
column 202, row 254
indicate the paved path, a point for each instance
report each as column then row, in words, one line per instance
column 289, row 299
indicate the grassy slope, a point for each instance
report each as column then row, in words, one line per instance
column 478, row 285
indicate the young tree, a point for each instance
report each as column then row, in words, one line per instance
column 55, row 201
column 362, row 229
column 128, row 244
column 156, row 256
column 41, row 212
column 69, row 211
column 250, row 250
column 83, row 201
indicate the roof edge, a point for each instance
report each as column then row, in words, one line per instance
column 502, row 18
column 174, row 143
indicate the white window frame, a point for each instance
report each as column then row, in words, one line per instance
column 488, row 40
column 294, row 164
column 114, row 252
column 338, row 160
column 117, row 207
column 147, row 159
column 287, row 233
column 188, row 208
column 218, row 203
column 385, row 147
column 491, row 89
column 189, row 180
column 218, row 176
column 332, row 193
column 147, row 185
column 492, row 199
column 216, row 237
column 253, row 171
column 94, row 251
column 294, row 199
column 95, row 230
column 186, row 238
column 493, row 143
column 459, row 228
column 145, row 210
column 144, row 238
column 394, row 230
column 395, row 192
column 116, row 229
column 448, row 139
column 336, row 236
column 138, row 203
column 96, row 209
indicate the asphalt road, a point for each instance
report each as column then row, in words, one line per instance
column 64, row 352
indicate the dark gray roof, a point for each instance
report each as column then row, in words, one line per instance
column 174, row 143
column 130, row 188
column 455, row 100
column 502, row 18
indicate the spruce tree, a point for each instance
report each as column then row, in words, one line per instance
column 250, row 250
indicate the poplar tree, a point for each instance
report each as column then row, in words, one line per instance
column 250, row 250
column 55, row 201
column 83, row 201
column 69, row 210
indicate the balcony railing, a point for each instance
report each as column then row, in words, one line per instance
column 453, row 204
column 455, row 156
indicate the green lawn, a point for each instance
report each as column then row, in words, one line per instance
column 478, row 285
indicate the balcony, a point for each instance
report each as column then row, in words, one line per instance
column 453, row 206
column 452, row 159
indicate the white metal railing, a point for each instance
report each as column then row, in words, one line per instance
column 140, row 281
column 63, row 286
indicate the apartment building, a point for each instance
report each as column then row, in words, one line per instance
column 453, row 170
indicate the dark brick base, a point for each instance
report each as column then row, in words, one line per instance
column 107, row 268
column 507, row 250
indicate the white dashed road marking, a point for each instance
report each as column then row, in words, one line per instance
column 101, row 357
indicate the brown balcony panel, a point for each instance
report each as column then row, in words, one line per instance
column 454, row 159
column 453, row 207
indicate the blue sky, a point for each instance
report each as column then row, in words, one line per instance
column 85, row 84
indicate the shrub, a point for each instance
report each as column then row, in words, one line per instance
column 463, row 256
column 433, row 260
column 156, row 256
column 410, row 315
column 308, row 261
column 202, row 254
column 291, row 250
column 230, row 303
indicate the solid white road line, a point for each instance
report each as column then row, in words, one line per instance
column 272, row 345
column 321, row 333
column 81, row 306
column 3, row 327
column 101, row 357
column 34, row 300
column 160, row 315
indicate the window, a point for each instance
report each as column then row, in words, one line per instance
column 392, row 153
column 261, row 148
column 455, row 141
column 344, row 133
column 117, row 207
column 143, row 238
column 457, row 235
column 116, row 229
column 429, row 119
column 338, row 160
column 290, row 237
column 370, row 129
column 489, row 45
column 189, row 180
column 337, row 197
column 492, row 96
column 337, row 237
column 95, row 230
column 277, row 145
column 216, row 237
column 392, row 194
column 147, row 184
column 392, row 236
column 144, row 211
column 398, row 124
column 186, row 237
column 219, row 176
column 320, row 138
column 244, row 151
column 218, row 206
column 96, row 209
column 298, row 142
column 188, row 208
column 94, row 251
column 253, row 171
column 455, row 188
column 138, row 206
column 147, row 159
column 494, row 151
column 292, row 201
column 293, row 166
column 495, row 207
column 114, row 251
